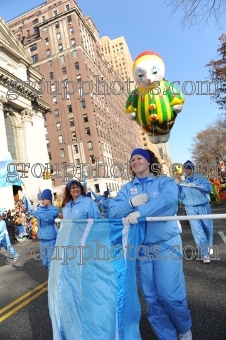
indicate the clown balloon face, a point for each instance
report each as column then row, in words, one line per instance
column 148, row 69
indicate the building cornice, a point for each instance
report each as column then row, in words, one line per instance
column 24, row 89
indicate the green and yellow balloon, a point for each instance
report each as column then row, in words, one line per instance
column 155, row 102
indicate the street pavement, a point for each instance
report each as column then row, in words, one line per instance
column 23, row 284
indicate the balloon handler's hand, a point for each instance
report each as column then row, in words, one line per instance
column 132, row 217
column 32, row 207
column 191, row 185
column 138, row 200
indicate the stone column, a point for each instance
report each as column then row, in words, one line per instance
column 30, row 148
column 6, row 194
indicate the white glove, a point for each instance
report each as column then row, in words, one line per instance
column 191, row 185
column 139, row 200
column 177, row 108
column 32, row 207
column 132, row 217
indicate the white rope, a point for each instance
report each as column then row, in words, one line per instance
column 167, row 218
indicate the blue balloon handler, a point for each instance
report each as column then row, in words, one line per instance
column 4, row 238
column 103, row 202
column 194, row 192
column 47, row 228
column 159, row 260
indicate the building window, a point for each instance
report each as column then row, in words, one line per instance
column 72, row 123
column 33, row 47
column 43, row 18
column 58, row 36
column 88, row 131
column 45, row 30
column 57, row 25
column 73, row 135
column 55, row 13
column 83, row 104
column 71, row 30
column 75, row 147
column 58, row 126
column 36, row 29
column 51, row 75
column 90, row 145
column 54, row 100
column 67, row 7
column 48, row 52
column 69, row 19
column 56, row 112
column 62, row 154
column 92, row 159
column 62, row 60
column 60, row 47
column 73, row 42
column 47, row 143
column 77, row 65
column 46, row 130
column 34, row 58
column 69, row 109
column 53, row 88
column 78, row 77
column 64, row 71
column 60, row 139
column 75, row 54
column 85, row 118
column 50, row 157
column 35, row 21
column 50, row 63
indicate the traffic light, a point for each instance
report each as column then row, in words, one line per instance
column 46, row 175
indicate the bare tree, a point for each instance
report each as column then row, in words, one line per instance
column 197, row 12
column 209, row 145
column 217, row 73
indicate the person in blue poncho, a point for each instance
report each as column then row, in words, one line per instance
column 47, row 228
column 194, row 192
column 103, row 202
column 76, row 205
column 4, row 238
column 159, row 261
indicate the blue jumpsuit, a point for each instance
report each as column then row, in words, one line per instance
column 196, row 201
column 5, row 241
column 84, row 207
column 103, row 202
column 159, row 262
column 47, row 231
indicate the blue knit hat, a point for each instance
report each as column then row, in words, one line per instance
column 88, row 194
column 106, row 192
column 144, row 153
column 71, row 182
column 46, row 195
column 188, row 165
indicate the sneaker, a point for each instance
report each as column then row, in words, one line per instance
column 206, row 259
column 186, row 336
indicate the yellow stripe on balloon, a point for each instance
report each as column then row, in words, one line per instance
column 159, row 108
column 147, row 109
column 147, row 57
column 139, row 110
column 169, row 111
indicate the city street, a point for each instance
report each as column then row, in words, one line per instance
column 23, row 290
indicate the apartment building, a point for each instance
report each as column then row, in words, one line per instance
column 87, row 123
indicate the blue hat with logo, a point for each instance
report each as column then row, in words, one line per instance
column 71, row 182
column 46, row 195
column 188, row 165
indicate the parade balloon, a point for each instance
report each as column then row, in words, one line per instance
column 155, row 102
